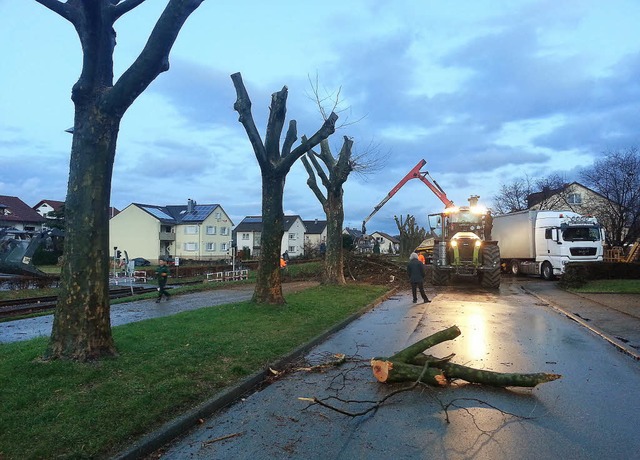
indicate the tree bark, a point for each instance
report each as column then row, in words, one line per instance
column 411, row 365
column 82, row 327
column 274, row 164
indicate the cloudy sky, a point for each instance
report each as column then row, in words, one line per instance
column 484, row 90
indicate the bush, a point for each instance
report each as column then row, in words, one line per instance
column 578, row 274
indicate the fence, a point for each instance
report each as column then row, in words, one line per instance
column 232, row 275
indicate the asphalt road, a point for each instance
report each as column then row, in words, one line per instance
column 592, row 412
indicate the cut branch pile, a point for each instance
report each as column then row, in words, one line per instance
column 412, row 365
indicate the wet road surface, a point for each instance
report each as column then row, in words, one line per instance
column 591, row 413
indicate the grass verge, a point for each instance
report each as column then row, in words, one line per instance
column 622, row 286
column 166, row 366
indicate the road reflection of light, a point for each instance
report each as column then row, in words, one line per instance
column 475, row 333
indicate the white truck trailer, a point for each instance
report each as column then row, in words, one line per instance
column 543, row 242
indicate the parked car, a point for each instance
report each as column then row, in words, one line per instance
column 141, row 262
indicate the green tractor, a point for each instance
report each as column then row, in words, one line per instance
column 462, row 245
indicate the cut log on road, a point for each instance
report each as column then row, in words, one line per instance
column 412, row 365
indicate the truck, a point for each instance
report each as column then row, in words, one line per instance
column 544, row 242
column 463, row 245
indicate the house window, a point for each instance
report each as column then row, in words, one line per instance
column 218, row 215
column 224, row 246
column 245, row 236
column 211, row 247
column 292, row 236
column 211, row 230
column 224, row 231
column 190, row 246
column 292, row 249
column 574, row 198
column 191, row 230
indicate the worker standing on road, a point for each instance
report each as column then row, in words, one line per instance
column 162, row 273
column 416, row 272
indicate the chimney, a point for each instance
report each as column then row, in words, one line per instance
column 473, row 200
column 190, row 205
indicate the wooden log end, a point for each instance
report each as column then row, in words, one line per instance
column 381, row 369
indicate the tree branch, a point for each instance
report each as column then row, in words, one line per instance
column 124, row 7
column 292, row 136
column 275, row 124
column 154, row 58
column 243, row 107
column 63, row 9
column 311, row 181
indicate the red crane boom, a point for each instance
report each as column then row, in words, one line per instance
column 415, row 173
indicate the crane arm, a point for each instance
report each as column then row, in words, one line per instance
column 415, row 173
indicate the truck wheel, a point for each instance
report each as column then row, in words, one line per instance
column 547, row 271
column 439, row 277
column 515, row 267
column 491, row 258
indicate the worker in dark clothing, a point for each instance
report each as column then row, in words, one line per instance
column 162, row 273
column 416, row 272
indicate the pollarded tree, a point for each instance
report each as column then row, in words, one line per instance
column 275, row 164
column 82, row 326
column 336, row 174
column 411, row 234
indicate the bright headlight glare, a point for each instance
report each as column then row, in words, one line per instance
column 454, row 243
column 478, row 243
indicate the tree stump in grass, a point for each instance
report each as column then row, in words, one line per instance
column 412, row 365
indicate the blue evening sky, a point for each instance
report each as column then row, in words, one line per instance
column 484, row 90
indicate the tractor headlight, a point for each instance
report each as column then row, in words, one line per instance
column 454, row 243
column 478, row 243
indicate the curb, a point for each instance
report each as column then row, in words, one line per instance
column 171, row 430
column 612, row 340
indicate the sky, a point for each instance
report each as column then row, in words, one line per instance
column 486, row 91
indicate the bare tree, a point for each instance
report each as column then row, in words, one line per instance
column 617, row 178
column 337, row 172
column 526, row 193
column 411, row 234
column 274, row 166
column 82, row 327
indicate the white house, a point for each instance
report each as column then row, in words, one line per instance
column 248, row 234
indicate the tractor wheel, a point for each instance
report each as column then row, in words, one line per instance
column 547, row 271
column 491, row 258
column 439, row 277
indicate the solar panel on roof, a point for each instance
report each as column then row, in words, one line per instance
column 200, row 213
column 160, row 214
column 252, row 220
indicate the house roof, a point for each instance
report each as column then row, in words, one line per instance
column 315, row 226
column 538, row 197
column 393, row 239
column 354, row 232
column 180, row 214
column 13, row 209
column 254, row 223
column 55, row 204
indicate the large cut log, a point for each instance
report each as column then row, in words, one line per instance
column 412, row 365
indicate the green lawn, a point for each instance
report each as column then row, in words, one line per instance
column 165, row 366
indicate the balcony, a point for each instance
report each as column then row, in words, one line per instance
column 167, row 236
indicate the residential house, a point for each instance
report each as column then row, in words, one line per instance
column 315, row 237
column 16, row 214
column 388, row 244
column 248, row 234
column 362, row 243
column 197, row 232
column 44, row 207
column 580, row 199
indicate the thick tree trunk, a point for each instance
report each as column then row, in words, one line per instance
column 334, row 256
column 82, row 326
column 411, row 365
column 269, row 278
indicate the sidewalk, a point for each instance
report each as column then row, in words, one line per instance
column 614, row 317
